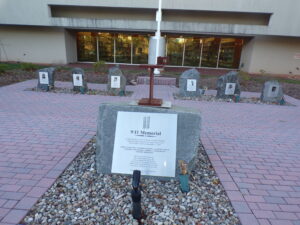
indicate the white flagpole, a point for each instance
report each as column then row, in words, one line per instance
column 157, row 34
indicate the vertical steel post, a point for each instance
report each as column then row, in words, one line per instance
column 183, row 52
column 97, row 46
column 114, row 48
column 201, row 51
column 131, row 59
column 219, row 53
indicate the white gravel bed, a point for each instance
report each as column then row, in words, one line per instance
column 212, row 98
column 70, row 91
column 81, row 196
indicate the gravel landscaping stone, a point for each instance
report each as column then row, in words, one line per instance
column 71, row 91
column 81, row 196
column 212, row 98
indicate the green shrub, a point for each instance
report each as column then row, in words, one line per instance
column 244, row 76
column 63, row 68
column 3, row 68
column 29, row 66
column 100, row 66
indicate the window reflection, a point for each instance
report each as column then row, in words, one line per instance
column 181, row 51
column 140, row 49
column 230, row 52
column 175, row 51
column 106, row 47
column 86, row 46
column 210, row 52
column 123, row 48
column 192, row 52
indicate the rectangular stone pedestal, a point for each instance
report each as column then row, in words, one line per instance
column 187, row 135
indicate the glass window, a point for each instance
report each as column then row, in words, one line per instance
column 175, row 51
column 123, row 48
column 86, row 46
column 140, row 49
column 210, row 52
column 106, row 47
column 192, row 52
column 187, row 51
column 230, row 52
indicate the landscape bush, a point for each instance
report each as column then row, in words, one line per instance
column 244, row 76
column 3, row 68
column 29, row 66
column 100, row 66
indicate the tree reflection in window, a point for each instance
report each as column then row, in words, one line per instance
column 86, row 46
column 210, row 52
column 140, row 49
column 123, row 48
column 192, row 51
column 230, row 52
column 175, row 50
column 106, row 47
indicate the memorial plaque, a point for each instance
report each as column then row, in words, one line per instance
column 44, row 78
column 191, row 85
column 273, row 91
column 77, row 80
column 230, row 88
column 145, row 142
column 115, row 81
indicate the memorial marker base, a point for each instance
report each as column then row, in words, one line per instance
column 188, row 136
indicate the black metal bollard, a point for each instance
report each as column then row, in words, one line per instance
column 136, row 195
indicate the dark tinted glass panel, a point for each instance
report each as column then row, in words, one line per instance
column 106, row 47
column 86, row 46
column 192, row 52
column 175, row 50
column 210, row 52
column 123, row 48
column 140, row 49
column 230, row 53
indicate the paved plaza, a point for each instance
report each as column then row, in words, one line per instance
column 255, row 149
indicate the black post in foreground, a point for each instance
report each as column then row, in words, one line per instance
column 136, row 195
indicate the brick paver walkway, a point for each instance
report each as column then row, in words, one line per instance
column 255, row 149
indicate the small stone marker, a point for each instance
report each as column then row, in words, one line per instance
column 183, row 177
column 116, row 84
column 272, row 92
column 46, row 78
column 79, row 82
column 189, row 83
column 149, row 139
column 228, row 86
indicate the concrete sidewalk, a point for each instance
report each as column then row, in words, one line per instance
column 255, row 149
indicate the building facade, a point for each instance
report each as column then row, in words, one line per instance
column 257, row 36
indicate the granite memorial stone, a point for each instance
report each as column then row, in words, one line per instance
column 116, row 84
column 79, row 81
column 46, row 78
column 189, row 83
column 142, row 144
column 272, row 92
column 228, row 86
